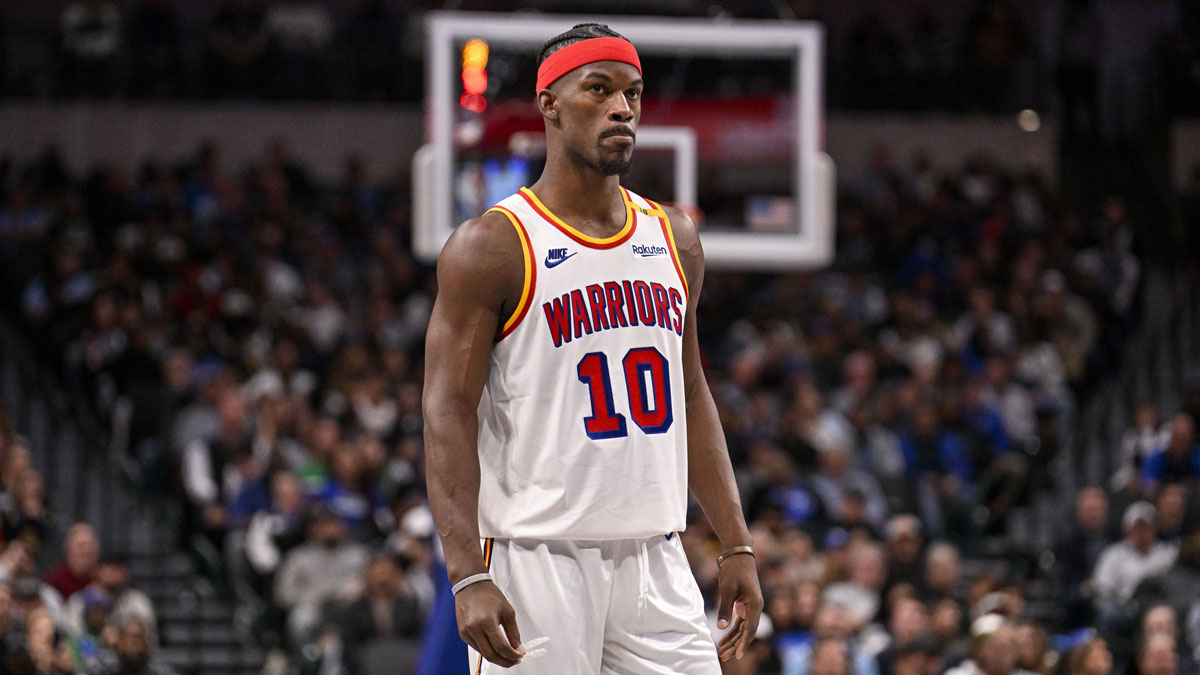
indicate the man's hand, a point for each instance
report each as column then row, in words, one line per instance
column 740, row 600
column 482, row 612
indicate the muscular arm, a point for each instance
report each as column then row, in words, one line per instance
column 475, row 282
column 480, row 276
column 710, row 473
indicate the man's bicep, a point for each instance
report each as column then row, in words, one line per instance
column 475, row 277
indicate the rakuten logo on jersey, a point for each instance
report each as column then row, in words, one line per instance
column 647, row 251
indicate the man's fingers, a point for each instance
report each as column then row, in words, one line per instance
column 506, row 655
column 725, row 596
column 508, row 619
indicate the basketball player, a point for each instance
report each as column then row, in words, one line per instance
column 566, row 410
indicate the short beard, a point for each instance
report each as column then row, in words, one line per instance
column 614, row 167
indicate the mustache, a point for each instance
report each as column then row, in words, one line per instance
column 620, row 130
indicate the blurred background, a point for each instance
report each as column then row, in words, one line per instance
column 969, row 441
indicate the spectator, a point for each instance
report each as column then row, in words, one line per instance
column 943, row 572
column 386, row 610
column 905, row 541
column 24, row 515
column 838, row 483
column 908, row 622
column 272, row 532
column 87, row 639
column 1176, row 461
column 81, row 558
column 91, row 44
column 112, row 578
column 1078, row 552
column 212, row 472
column 1123, row 565
column 155, row 50
column 132, row 653
column 993, row 649
column 1156, row 655
column 1141, row 440
column 300, row 31
column 940, row 471
column 322, row 570
column 1090, row 658
column 860, row 596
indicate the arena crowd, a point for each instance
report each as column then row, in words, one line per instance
column 893, row 420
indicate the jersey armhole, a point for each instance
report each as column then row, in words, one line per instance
column 527, row 287
column 669, row 236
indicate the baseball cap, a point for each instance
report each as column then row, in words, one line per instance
column 1136, row 511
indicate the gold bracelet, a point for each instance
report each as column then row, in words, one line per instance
column 734, row 551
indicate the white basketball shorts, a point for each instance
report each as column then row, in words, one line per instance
column 627, row 607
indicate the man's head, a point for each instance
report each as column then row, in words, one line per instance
column 82, row 549
column 589, row 93
column 1091, row 509
column 132, row 647
column 113, row 574
column 1156, row 655
column 1139, row 523
column 942, row 568
column 831, row 656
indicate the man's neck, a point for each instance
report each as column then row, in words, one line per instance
column 584, row 198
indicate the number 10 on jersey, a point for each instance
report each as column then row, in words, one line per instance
column 647, row 384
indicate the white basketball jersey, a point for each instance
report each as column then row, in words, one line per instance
column 582, row 430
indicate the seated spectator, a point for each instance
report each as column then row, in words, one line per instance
column 1123, row 565
column 1141, row 440
column 299, row 31
column 943, row 572
column 1078, row 552
column 276, row 530
column 209, row 472
column 112, row 578
column 350, row 491
column 993, row 649
column 860, row 596
column 907, row 622
column 1156, row 655
column 324, row 569
column 386, row 610
column 905, row 541
column 1033, row 648
column 131, row 653
column 1090, row 658
column 1176, row 461
column 837, row 482
column 88, row 637
column 937, row 464
column 91, row 47
column 24, row 515
column 81, row 557
column 1173, row 511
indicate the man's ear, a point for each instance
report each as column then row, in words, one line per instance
column 547, row 103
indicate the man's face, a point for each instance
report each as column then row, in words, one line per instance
column 600, row 105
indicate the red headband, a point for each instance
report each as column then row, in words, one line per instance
column 571, row 57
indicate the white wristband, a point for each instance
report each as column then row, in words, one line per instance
column 467, row 581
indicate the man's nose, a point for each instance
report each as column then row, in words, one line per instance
column 620, row 111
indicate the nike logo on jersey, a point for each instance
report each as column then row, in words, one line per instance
column 557, row 256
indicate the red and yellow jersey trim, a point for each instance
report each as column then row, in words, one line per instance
column 669, row 234
column 488, row 544
column 522, row 307
column 587, row 240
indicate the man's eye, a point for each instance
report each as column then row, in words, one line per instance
column 598, row 88
column 633, row 94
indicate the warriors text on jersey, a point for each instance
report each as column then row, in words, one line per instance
column 582, row 431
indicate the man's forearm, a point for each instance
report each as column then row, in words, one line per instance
column 452, row 466
column 710, row 473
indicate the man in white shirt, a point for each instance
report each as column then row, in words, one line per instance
column 1125, row 564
